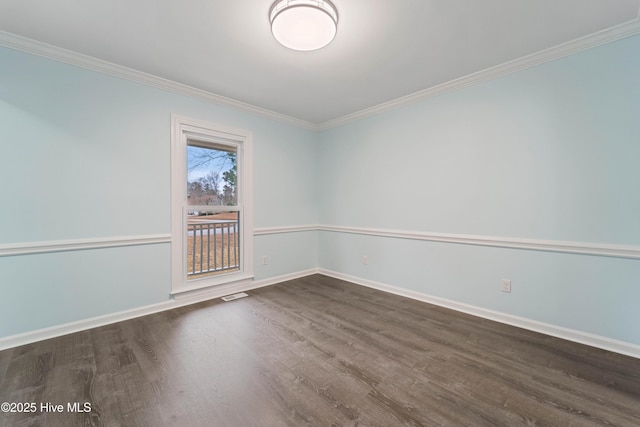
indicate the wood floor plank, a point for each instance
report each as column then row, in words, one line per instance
column 319, row 351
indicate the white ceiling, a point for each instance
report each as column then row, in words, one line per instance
column 384, row 49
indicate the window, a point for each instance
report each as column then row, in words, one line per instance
column 211, row 196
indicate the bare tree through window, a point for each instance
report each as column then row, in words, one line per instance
column 212, row 233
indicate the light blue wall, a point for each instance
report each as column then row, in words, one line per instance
column 286, row 253
column 546, row 153
column 597, row 295
column 85, row 155
column 56, row 288
column 551, row 152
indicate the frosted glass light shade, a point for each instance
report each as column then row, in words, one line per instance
column 303, row 24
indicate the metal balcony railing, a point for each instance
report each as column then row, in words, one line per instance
column 213, row 246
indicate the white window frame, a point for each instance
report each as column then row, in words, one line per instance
column 183, row 130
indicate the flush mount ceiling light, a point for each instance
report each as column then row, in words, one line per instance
column 303, row 24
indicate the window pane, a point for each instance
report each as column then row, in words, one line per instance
column 213, row 243
column 211, row 175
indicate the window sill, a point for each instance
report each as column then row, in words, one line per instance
column 213, row 290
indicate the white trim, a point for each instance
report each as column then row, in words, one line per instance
column 597, row 341
column 286, row 277
column 285, row 229
column 599, row 38
column 184, row 129
column 582, row 248
column 45, row 50
column 94, row 322
column 579, row 248
column 12, row 249
column 197, row 295
column 592, row 340
column 195, row 287
column 81, row 325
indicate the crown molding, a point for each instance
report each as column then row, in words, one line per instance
column 45, row 50
column 599, row 38
column 556, row 52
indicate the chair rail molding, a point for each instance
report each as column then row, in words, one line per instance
column 50, row 246
column 263, row 231
column 581, row 248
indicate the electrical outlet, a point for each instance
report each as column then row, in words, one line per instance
column 265, row 260
column 506, row 285
column 365, row 260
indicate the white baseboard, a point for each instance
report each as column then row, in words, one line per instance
column 592, row 340
column 94, row 322
column 286, row 277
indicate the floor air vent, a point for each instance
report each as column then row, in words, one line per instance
column 234, row 296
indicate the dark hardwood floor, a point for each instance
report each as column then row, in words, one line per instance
column 323, row 352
